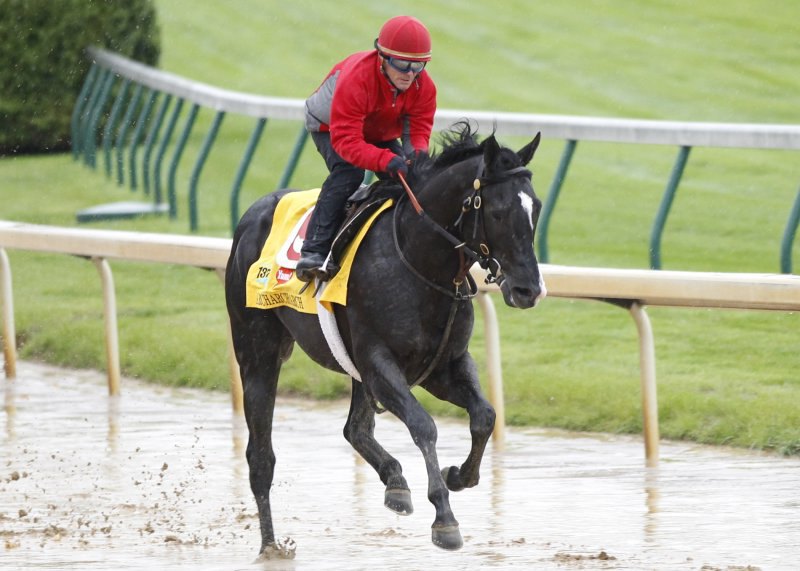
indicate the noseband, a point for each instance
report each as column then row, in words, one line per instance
column 467, row 256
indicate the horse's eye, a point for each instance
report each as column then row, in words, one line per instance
column 497, row 216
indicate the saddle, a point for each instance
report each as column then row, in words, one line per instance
column 360, row 206
column 271, row 280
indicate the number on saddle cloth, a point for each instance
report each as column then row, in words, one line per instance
column 360, row 206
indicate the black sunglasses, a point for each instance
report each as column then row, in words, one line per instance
column 404, row 65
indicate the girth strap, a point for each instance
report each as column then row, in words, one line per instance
column 442, row 344
column 436, row 358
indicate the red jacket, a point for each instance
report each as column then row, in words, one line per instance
column 358, row 105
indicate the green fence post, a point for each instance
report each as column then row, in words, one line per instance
column 176, row 157
column 144, row 115
column 111, row 123
column 198, row 167
column 788, row 236
column 86, row 133
column 77, row 111
column 294, row 158
column 90, row 142
column 242, row 170
column 552, row 197
column 666, row 204
column 162, row 149
column 149, row 142
column 123, row 131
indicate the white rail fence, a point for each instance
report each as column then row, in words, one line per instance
column 638, row 131
column 109, row 67
column 631, row 289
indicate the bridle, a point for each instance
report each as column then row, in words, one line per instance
column 466, row 255
column 472, row 204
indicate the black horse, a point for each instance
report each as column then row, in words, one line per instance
column 408, row 318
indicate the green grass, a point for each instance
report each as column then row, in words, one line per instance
column 724, row 376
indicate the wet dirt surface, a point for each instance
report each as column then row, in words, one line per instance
column 156, row 479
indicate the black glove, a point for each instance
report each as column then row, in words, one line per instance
column 397, row 165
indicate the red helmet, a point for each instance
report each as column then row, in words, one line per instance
column 404, row 37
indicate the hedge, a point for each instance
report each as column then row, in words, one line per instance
column 43, row 61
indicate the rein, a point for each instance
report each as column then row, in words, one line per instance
column 463, row 271
column 465, row 253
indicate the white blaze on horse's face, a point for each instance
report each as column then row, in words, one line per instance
column 527, row 204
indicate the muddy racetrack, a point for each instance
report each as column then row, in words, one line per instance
column 157, row 479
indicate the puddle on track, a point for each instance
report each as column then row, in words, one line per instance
column 157, row 479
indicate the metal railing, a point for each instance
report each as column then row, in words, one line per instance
column 630, row 289
column 145, row 95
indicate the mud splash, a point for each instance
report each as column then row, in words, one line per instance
column 157, row 479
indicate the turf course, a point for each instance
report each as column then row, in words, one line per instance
column 725, row 377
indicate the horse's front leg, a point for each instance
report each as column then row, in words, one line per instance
column 360, row 433
column 388, row 385
column 461, row 387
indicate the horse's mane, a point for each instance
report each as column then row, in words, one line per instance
column 458, row 143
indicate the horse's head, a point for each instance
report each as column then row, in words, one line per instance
column 488, row 189
column 507, row 212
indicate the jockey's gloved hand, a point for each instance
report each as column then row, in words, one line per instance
column 397, row 165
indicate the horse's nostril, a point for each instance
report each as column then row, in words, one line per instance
column 523, row 293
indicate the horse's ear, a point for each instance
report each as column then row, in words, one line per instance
column 526, row 153
column 491, row 151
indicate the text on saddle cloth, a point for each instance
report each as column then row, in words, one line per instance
column 271, row 280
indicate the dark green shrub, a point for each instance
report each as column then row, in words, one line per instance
column 43, row 61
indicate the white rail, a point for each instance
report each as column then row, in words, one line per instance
column 632, row 289
column 692, row 134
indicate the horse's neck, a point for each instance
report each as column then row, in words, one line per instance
column 441, row 198
column 443, row 194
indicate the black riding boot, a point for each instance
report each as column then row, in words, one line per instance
column 325, row 221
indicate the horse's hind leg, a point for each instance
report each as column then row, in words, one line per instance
column 360, row 433
column 261, row 344
column 463, row 389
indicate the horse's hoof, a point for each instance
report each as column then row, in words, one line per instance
column 399, row 501
column 452, row 478
column 283, row 548
column 447, row 537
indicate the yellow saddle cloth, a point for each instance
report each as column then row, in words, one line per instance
column 271, row 280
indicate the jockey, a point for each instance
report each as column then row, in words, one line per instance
column 356, row 117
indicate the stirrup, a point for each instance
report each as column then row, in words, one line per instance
column 317, row 285
column 323, row 273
